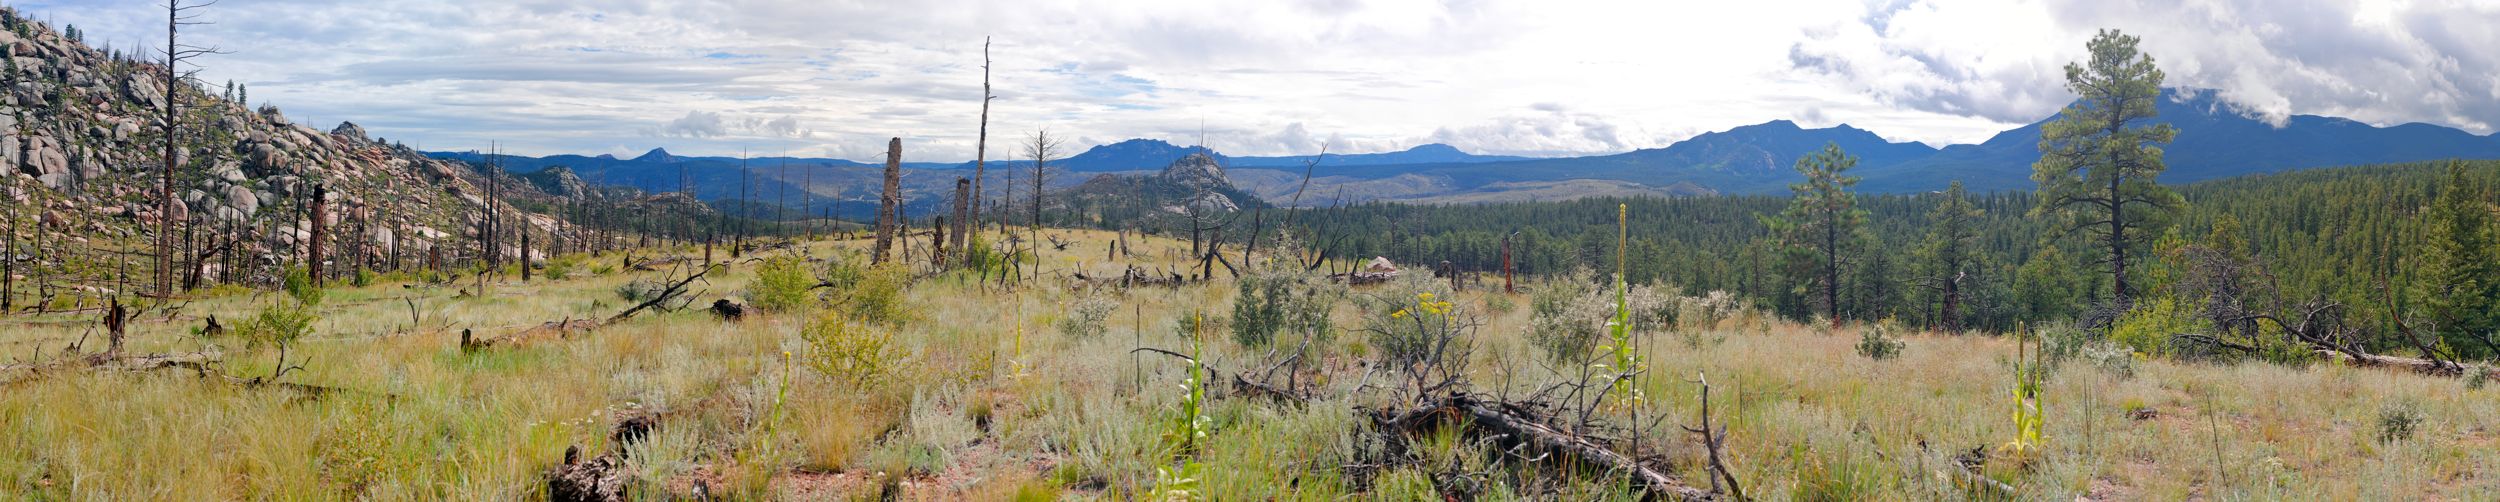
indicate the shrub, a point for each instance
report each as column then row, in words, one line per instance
column 278, row 326
column 2149, row 327
column 782, row 284
column 2397, row 422
column 1088, row 317
column 1421, row 336
column 637, row 290
column 1560, row 322
column 850, row 352
column 298, row 284
column 363, row 278
column 877, row 295
column 1876, row 342
column 564, row 266
column 1274, row 302
column 2476, row 379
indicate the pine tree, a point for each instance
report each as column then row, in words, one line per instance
column 2097, row 164
column 1822, row 216
column 2046, row 287
column 1952, row 245
column 2461, row 286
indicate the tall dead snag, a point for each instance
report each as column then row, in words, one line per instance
column 887, row 201
column 980, row 150
column 1042, row 149
column 937, row 248
column 320, row 215
column 963, row 216
column 178, row 13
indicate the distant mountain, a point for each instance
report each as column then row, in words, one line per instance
column 2215, row 141
column 1747, row 159
column 1149, row 154
column 1130, row 155
column 1434, row 153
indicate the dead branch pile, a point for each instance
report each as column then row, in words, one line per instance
column 673, row 296
column 1133, row 277
column 1526, row 429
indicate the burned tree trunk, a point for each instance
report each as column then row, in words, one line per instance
column 963, row 216
column 937, row 248
column 887, row 201
column 320, row 213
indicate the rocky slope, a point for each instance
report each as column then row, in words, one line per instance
column 81, row 134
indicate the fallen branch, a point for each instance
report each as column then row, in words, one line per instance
column 568, row 328
column 2414, row 364
column 1514, row 428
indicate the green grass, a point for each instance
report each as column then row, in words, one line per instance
column 972, row 414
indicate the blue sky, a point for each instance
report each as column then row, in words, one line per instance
column 837, row 77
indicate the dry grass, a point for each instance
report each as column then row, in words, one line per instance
column 995, row 402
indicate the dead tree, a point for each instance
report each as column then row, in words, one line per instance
column 963, row 217
column 178, row 13
column 887, row 201
column 1042, row 149
column 8, row 265
column 937, row 248
column 320, row 215
column 1258, row 219
column 980, row 151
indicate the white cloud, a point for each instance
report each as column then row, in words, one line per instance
column 709, row 77
column 2380, row 61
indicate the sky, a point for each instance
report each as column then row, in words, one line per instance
column 835, row 78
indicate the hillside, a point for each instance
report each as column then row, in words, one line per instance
column 81, row 139
column 1195, row 185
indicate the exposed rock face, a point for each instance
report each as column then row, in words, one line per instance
column 350, row 131
column 1195, row 171
column 78, row 136
column 561, row 182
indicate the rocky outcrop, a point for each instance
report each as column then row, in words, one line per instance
column 79, row 140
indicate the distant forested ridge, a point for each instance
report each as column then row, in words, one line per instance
column 2332, row 232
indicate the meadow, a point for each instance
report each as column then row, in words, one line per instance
column 964, row 387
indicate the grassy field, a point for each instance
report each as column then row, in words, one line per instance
column 995, row 393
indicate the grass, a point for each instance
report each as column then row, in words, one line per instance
column 972, row 414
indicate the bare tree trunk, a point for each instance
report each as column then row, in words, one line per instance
column 320, row 213
column 886, row 202
column 980, row 151
column 963, row 217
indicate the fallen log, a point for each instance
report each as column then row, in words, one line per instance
column 2413, row 364
column 1514, row 428
column 602, row 478
column 110, row 362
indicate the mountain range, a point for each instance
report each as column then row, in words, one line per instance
column 2216, row 140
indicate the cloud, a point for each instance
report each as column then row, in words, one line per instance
column 696, row 124
column 2381, row 62
column 786, row 127
column 1266, row 78
column 1549, row 130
